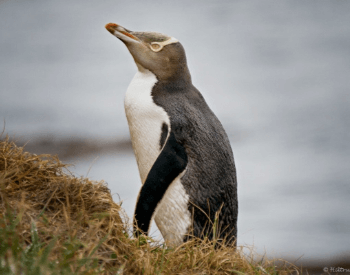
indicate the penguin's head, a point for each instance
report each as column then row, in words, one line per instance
column 161, row 54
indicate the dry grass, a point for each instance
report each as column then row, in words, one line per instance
column 77, row 217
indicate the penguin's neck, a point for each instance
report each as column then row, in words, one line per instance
column 178, row 80
column 141, row 68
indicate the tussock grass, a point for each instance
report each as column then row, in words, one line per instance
column 54, row 223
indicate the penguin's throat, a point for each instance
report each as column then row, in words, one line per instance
column 182, row 75
column 141, row 68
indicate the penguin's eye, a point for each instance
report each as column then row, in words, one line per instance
column 156, row 47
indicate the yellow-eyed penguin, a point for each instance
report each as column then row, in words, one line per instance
column 183, row 154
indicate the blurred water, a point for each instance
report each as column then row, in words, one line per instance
column 275, row 72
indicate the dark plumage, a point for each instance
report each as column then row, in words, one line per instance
column 210, row 179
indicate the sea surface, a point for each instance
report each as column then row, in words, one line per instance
column 276, row 73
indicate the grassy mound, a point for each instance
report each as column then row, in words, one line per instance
column 54, row 223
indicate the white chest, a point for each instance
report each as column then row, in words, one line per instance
column 145, row 120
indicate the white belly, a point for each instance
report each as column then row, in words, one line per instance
column 145, row 120
column 172, row 215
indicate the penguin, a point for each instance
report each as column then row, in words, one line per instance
column 184, row 157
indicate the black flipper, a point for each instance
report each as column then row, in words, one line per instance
column 170, row 163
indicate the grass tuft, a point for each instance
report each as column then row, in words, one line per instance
column 54, row 223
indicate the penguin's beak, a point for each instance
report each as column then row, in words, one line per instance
column 139, row 50
column 121, row 33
